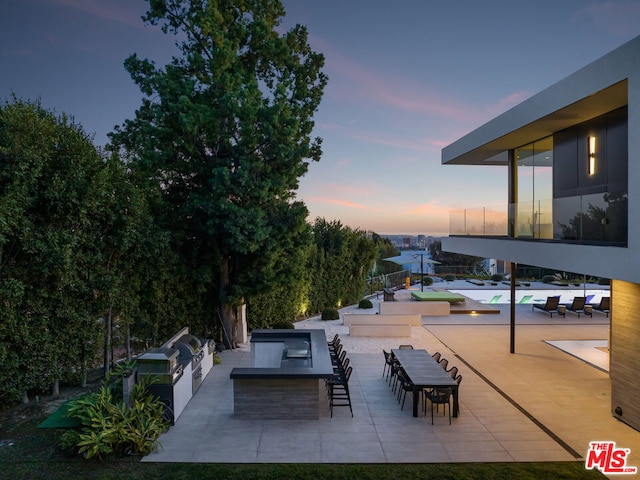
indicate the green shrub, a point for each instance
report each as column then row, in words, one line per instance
column 109, row 426
column 497, row 277
column 449, row 277
column 604, row 281
column 283, row 324
column 365, row 303
column 427, row 280
column 548, row 279
column 330, row 314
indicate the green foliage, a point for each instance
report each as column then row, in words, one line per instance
column 427, row 281
column 53, row 229
column 109, row 426
column 604, row 281
column 548, row 278
column 497, row 277
column 365, row 303
column 330, row 314
column 223, row 136
column 449, row 277
column 283, row 325
column 338, row 264
column 385, row 250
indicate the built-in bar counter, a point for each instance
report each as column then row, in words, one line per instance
column 287, row 375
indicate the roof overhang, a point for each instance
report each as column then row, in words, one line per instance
column 489, row 144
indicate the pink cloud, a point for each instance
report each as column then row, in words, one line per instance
column 507, row 102
column 427, row 210
column 341, row 203
column 395, row 91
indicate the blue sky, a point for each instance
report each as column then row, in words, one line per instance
column 406, row 78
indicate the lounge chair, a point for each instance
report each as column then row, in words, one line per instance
column 604, row 306
column 550, row 306
column 577, row 306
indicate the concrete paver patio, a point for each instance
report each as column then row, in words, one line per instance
column 539, row 404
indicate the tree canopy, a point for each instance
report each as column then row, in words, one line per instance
column 224, row 134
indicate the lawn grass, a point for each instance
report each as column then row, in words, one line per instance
column 27, row 452
column 127, row 470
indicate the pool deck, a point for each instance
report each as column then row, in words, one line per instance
column 539, row 404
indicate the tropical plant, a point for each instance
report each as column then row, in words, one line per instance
column 108, row 425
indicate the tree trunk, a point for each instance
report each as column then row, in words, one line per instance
column 107, row 343
column 227, row 312
column 128, row 342
column 55, row 388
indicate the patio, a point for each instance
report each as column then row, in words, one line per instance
column 540, row 404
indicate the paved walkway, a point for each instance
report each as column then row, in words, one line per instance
column 540, row 404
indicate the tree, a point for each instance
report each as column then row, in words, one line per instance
column 223, row 134
column 48, row 179
column 339, row 262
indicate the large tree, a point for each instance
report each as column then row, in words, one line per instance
column 224, row 134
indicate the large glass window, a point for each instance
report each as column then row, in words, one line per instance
column 534, row 189
column 590, row 204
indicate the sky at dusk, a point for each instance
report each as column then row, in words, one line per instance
column 406, row 78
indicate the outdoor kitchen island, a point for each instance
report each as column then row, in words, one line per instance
column 286, row 380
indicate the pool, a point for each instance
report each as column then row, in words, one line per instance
column 526, row 295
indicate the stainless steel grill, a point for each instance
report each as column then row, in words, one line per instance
column 191, row 350
column 162, row 363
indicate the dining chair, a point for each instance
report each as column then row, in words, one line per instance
column 387, row 363
column 405, row 386
column 444, row 363
column 440, row 396
column 406, row 347
column 436, row 356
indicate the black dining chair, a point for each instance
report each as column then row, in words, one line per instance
column 436, row 356
column 405, row 386
column 440, row 396
column 406, row 347
column 388, row 361
column 453, row 371
column 444, row 363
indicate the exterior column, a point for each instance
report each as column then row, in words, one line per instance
column 512, row 330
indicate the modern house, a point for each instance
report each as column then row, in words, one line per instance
column 572, row 153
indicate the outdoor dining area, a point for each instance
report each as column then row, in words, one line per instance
column 426, row 376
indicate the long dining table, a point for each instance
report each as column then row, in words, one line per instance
column 424, row 372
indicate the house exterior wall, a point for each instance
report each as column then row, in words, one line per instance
column 624, row 354
column 534, row 119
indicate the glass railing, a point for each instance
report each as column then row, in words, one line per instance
column 598, row 218
column 483, row 221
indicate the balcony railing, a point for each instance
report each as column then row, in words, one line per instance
column 481, row 221
column 597, row 218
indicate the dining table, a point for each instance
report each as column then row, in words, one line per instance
column 423, row 372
